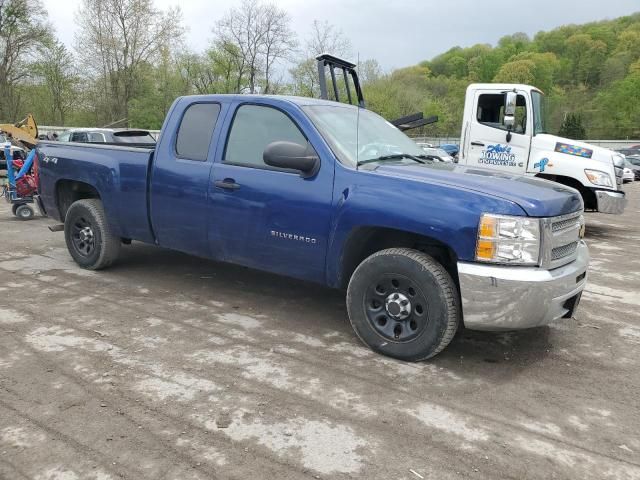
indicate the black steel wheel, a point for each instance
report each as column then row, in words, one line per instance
column 396, row 307
column 89, row 238
column 404, row 304
column 82, row 236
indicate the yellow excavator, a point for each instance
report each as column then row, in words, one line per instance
column 24, row 132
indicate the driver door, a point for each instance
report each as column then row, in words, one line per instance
column 265, row 217
column 488, row 146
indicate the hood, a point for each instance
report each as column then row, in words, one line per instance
column 537, row 197
column 549, row 142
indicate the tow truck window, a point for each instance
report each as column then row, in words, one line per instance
column 196, row 130
column 254, row 127
column 491, row 112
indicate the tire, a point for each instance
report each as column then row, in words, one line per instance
column 417, row 330
column 88, row 236
column 23, row 212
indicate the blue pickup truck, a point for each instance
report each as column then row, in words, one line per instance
column 334, row 194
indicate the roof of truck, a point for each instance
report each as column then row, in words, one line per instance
column 503, row 86
column 287, row 98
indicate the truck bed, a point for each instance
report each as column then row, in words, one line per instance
column 121, row 171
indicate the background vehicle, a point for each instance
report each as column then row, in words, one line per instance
column 451, row 149
column 22, row 134
column 628, row 174
column 633, row 150
column 17, row 152
column 633, row 162
column 109, row 135
column 503, row 129
column 437, row 154
column 333, row 194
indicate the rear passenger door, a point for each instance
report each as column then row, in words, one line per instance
column 265, row 217
column 180, row 179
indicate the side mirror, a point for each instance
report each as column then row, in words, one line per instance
column 292, row 156
column 510, row 103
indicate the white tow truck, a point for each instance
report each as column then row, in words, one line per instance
column 503, row 129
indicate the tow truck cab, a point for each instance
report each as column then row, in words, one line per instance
column 504, row 129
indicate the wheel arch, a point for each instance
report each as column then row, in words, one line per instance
column 68, row 191
column 587, row 194
column 364, row 241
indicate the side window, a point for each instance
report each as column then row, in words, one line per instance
column 196, row 130
column 79, row 137
column 254, row 127
column 64, row 137
column 491, row 112
column 96, row 137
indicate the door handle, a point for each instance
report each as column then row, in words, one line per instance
column 227, row 184
column 477, row 144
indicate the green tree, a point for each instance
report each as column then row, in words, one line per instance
column 23, row 30
column 572, row 127
column 57, row 72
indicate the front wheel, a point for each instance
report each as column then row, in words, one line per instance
column 404, row 304
column 88, row 236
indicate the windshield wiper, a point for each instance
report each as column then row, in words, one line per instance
column 397, row 156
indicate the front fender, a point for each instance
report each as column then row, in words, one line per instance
column 443, row 213
column 547, row 162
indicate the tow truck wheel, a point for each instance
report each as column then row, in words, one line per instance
column 88, row 236
column 23, row 211
column 404, row 304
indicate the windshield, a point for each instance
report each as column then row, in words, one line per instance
column 374, row 138
column 539, row 112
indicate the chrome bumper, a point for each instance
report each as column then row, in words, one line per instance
column 498, row 298
column 610, row 202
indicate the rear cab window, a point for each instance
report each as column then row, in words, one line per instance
column 196, row 131
column 254, row 127
column 133, row 136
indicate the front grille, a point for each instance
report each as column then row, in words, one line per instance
column 561, row 236
column 561, row 252
column 564, row 224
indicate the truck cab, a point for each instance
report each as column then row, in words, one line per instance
column 504, row 129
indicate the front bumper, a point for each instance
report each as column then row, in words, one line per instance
column 610, row 201
column 496, row 298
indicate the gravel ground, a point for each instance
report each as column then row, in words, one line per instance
column 168, row 366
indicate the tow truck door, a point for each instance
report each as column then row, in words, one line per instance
column 486, row 144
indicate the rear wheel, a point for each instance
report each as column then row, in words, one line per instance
column 88, row 236
column 402, row 303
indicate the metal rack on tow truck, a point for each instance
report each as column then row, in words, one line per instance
column 348, row 69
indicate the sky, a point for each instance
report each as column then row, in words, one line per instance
column 397, row 33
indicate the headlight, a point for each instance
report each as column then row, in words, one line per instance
column 506, row 239
column 599, row 178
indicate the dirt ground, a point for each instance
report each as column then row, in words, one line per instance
column 170, row 367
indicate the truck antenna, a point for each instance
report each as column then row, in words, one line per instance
column 357, row 124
